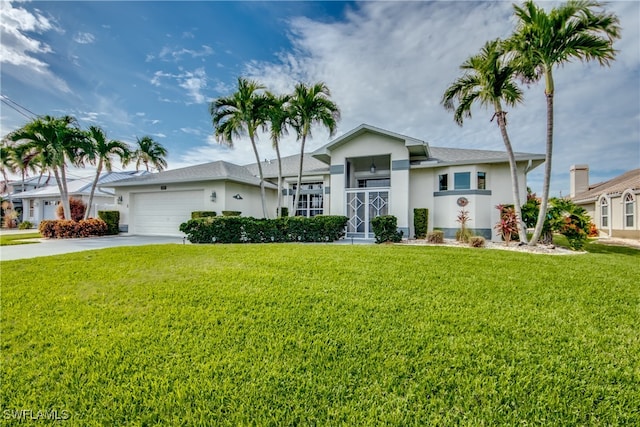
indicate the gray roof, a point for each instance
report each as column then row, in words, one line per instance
column 290, row 165
column 81, row 185
column 441, row 156
column 627, row 181
column 212, row 171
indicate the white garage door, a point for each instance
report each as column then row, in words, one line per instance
column 162, row 213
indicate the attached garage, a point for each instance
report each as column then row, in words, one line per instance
column 161, row 213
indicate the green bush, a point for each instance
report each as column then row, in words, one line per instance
column 112, row 218
column 421, row 222
column 284, row 211
column 25, row 225
column 231, row 213
column 202, row 214
column 385, row 229
column 477, row 242
column 77, row 207
column 435, row 236
column 235, row 229
column 66, row 229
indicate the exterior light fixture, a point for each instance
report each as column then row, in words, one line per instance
column 237, row 197
column 119, row 200
column 373, row 168
column 213, row 196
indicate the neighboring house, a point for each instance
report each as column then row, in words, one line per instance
column 362, row 174
column 612, row 205
column 16, row 188
column 41, row 203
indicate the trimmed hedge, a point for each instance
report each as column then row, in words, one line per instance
column 112, row 218
column 385, row 228
column 231, row 213
column 235, row 229
column 202, row 214
column 66, row 229
column 421, row 222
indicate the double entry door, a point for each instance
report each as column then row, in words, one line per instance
column 362, row 206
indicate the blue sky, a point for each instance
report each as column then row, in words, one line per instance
column 151, row 68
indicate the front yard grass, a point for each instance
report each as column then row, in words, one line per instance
column 322, row 335
column 19, row 239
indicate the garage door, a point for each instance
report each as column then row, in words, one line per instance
column 162, row 213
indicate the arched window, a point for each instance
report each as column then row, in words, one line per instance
column 629, row 210
column 604, row 213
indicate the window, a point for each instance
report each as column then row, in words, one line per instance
column 311, row 202
column 370, row 183
column 462, row 181
column 32, row 204
column 604, row 213
column 482, row 180
column 443, row 181
column 629, row 205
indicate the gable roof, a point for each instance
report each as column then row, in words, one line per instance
column 444, row 156
column 290, row 165
column 415, row 146
column 627, row 181
column 212, row 171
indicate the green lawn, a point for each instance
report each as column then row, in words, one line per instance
column 322, row 335
column 19, row 239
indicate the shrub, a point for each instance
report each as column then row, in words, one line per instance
column 421, row 222
column 385, row 229
column 284, row 211
column 235, row 229
column 507, row 226
column 231, row 213
column 77, row 207
column 202, row 214
column 593, row 230
column 477, row 242
column 64, row 228
column 435, row 236
column 112, row 219
column 463, row 234
column 564, row 217
column 25, row 225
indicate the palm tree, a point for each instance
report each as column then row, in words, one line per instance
column 6, row 165
column 311, row 105
column 150, row 152
column 542, row 41
column 22, row 157
column 278, row 120
column 243, row 112
column 56, row 140
column 104, row 150
column 489, row 80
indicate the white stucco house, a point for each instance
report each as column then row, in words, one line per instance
column 41, row 203
column 612, row 204
column 362, row 174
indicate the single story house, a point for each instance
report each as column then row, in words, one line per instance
column 41, row 203
column 362, row 174
column 612, row 204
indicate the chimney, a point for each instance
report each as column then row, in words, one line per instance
column 579, row 179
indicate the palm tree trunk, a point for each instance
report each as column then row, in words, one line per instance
column 542, row 214
column 93, row 189
column 263, row 195
column 513, row 167
column 66, row 206
column 299, row 184
column 279, row 181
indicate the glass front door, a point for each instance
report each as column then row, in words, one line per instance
column 362, row 207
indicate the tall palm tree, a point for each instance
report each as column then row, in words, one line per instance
column 488, row 79
column 149, row 152
column 104, row 150
column 243, row 112
column 310, row 105
column 6, row 165
column 577, row 29
column 278, row 120
column 57, row 141
column 22, row 157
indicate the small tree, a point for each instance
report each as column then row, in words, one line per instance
column 508, row 224
column 463, row 234
column 77, row 207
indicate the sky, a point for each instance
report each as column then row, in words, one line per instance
column 153, row 67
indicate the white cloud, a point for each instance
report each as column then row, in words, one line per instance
column 84, row 38
column 192, row 81
column 388, row 64
column 19, row 30
column 168, row 53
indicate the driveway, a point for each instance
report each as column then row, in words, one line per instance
column 48, row 247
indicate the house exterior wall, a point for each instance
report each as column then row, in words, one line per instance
column 617, row 226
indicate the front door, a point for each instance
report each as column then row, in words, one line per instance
column 362, row 207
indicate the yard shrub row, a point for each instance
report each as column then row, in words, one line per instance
column 236, row 229
column 112, row 218
column 64, row 228
column 202, row 214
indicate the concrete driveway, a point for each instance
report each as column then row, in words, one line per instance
column 48, row 247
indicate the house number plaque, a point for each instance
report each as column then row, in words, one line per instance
column 462, row 202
